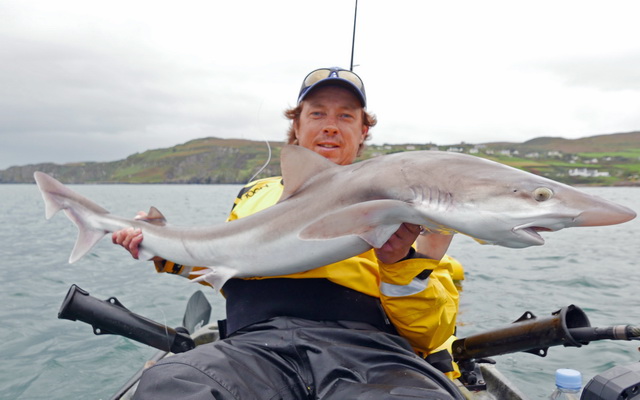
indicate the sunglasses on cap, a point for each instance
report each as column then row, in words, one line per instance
column 325, row 76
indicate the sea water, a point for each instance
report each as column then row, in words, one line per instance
column 43, row 357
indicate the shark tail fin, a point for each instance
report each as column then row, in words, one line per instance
column 215, row 276
column 87, row 237
column 78, row 209
column 48, row 186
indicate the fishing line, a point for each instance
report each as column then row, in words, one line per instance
column 353, row 46
column 165, row 321
column 266, row 162
column 264, row 138
column 166, row 326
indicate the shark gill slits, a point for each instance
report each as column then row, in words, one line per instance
column 542, row 194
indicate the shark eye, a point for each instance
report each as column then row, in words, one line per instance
column 542, row 194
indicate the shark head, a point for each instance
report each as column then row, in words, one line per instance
column 498, row 204
column 535, row 204
column 558, row 206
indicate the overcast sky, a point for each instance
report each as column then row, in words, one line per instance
column 98, row 81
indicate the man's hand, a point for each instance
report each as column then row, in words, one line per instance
column 129, row 238
column 433, row 245
column 398, row 245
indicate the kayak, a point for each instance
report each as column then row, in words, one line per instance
column 480, row 379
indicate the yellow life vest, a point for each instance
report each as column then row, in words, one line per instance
column 426, row 318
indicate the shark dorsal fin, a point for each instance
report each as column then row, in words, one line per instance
column 298, row 165
column 154, row 216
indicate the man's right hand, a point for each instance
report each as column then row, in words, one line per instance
column 130, row 239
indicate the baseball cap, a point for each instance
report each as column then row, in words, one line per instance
column 333, row 76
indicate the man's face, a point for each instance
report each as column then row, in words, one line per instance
column 331, row 124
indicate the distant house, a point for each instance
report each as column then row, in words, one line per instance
column 588, row 173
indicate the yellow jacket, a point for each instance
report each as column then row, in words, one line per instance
column 423, row 311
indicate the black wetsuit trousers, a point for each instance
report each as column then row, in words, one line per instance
column 289, row 358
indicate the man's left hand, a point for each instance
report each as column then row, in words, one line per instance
column 398, row 245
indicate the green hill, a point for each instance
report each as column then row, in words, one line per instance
column 618, row 142
column 208, row 160
column 597, row 160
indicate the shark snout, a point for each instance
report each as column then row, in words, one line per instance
column 609, row 214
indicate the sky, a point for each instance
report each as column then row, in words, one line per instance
column 98, row 81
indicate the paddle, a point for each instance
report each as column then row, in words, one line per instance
column 197, row 313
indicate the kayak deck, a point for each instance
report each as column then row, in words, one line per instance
column 498, row 386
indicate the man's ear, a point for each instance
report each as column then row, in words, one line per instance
column 365, row 131
column 295, row 125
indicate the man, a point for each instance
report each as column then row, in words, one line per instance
column 344, row 331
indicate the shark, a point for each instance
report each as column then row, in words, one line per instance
column 328, row 213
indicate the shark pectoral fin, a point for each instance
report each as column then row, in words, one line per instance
column 373, row 221
column 215, row 276
column 379, row 236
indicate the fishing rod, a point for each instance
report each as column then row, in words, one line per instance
column 568, row 326
column 111, row 317
column 353, row 38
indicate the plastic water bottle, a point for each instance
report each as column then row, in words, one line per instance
column 568, row 385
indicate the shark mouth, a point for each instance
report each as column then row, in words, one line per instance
column 530, row 233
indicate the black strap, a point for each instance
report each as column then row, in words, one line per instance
column 252, row 301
